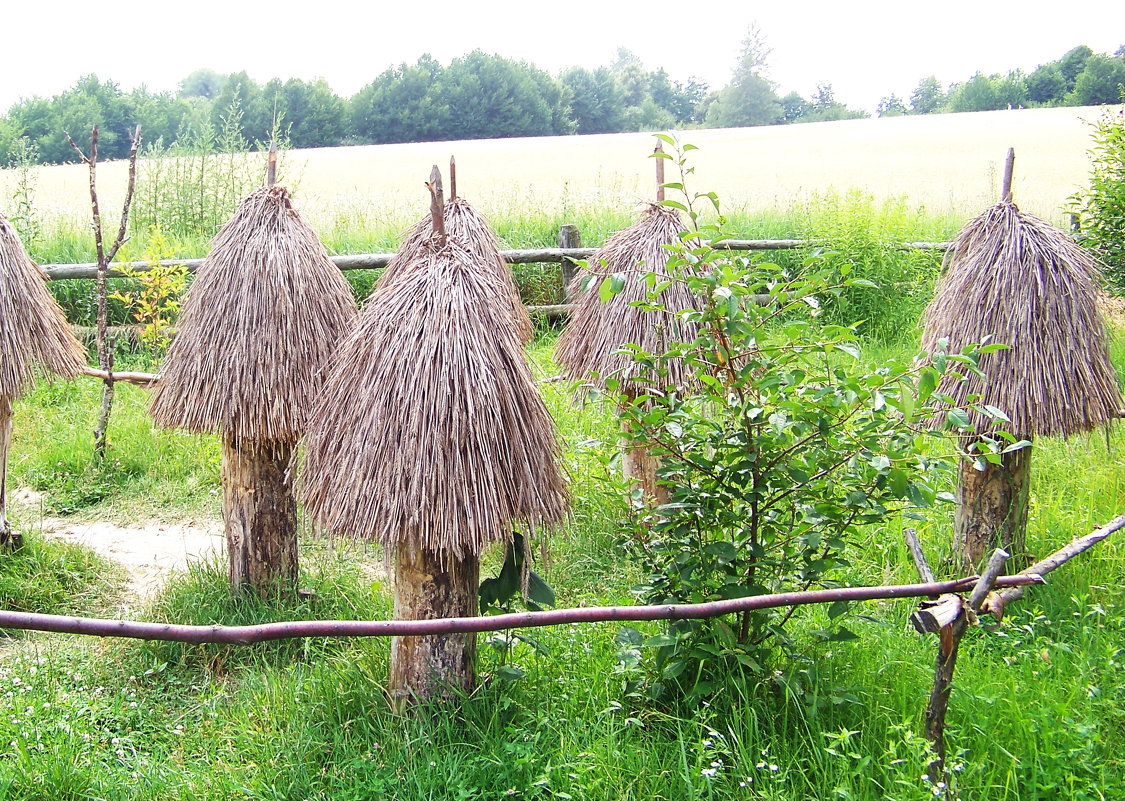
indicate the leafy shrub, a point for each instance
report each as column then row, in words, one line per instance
column 784, row 452
column 1102, row 206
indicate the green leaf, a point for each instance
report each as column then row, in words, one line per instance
column 509, row 673
column 539, row 591
column 837, row 608
column 843, row 635
column 659, row 641
column 927, row 383
column 957, row 418
column 1017, row 446
column 996, row 413
column 629, row 636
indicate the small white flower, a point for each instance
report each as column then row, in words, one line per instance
column 708, row 771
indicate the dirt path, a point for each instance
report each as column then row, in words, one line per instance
column 150, row 551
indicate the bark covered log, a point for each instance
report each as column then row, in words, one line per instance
column 428, row 587
column 9, row 540
column 639, row 465
column 992, row 509
column 261, row 516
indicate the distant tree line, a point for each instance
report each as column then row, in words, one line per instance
column 1080, row 77
column 482, row 96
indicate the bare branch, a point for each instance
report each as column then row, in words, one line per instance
column 128, row 203
column 918, row 555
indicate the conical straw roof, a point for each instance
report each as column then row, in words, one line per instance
column 260, row 322
column 1020, row 281
column 464, row 224
column 590, row 348
column 430, row 430
column 33, row 330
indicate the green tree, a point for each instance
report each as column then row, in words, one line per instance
column 794, row 107
column 399, row 105
column 242, row 94
column 824, row 107
column 634, row 80
column 750, row 98
column 596, row 102
column 1102, row 206
column 976, row 94
column 891, row 106
column 203, row 83
column 1072, row 63
column 316, row 116
column 1011, row 90
column 488, row 96
column 927, row 97
column 678, row 99
column 1046, row 84
column 1102, row 81
column 159, row 115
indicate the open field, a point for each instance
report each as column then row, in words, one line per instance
column 949, row 164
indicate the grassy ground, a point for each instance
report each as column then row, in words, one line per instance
column 1037, row 711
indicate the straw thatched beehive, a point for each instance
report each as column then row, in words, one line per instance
column 1017, row 280
column 465, row 225
column 260, row 322
column 591, row 347
column 33, row 332
column 430, row 437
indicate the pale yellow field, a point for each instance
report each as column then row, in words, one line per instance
column 949, row 163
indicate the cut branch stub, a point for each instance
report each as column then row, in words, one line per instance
column 271, row 164
column 452, row 178
column 1006, row 185
column 659, row 172
column 437, row 205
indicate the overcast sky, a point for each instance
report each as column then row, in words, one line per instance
column 866, row 50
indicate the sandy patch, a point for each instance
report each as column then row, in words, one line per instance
column 150, row 551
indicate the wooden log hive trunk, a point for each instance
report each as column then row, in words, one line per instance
column 639, row 465
column 9, row 540
column 992, row 509
column 428, row 587
column 261, row 516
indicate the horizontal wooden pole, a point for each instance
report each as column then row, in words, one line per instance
column 140, row 379
column 997, row 601
column 248, row 635
column 377, row 261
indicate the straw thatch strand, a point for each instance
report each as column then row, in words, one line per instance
column 1020, row 281
column 260, row 322
column 590, row 346
column 33, row 330
column 467, row 226
column 430, row 430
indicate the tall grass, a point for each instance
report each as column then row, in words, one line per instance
column 1037, row 711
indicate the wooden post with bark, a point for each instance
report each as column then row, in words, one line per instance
column 948, row 616
column 427, row 588
column 9, row 540
column 569, row 237
column 260, row 514
column 992, row 508
column 104, row 257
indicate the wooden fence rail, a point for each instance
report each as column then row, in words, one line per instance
column 294, row 629
column 377, row 261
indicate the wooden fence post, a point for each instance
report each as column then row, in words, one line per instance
column 569, row 237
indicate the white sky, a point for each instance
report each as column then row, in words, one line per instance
column 864, row 49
